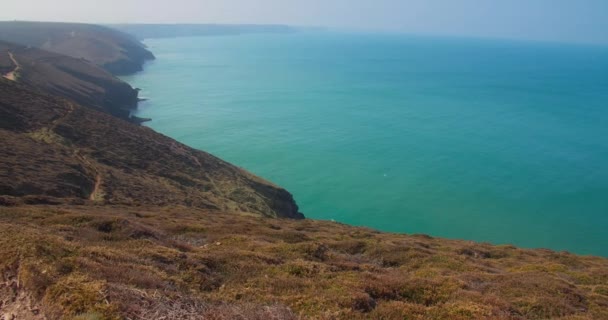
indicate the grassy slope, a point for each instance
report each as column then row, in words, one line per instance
column 54, row 150
column 153, row 262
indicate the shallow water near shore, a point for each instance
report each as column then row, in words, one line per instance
column 497, row 141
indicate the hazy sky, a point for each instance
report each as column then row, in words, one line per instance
column 554, row 20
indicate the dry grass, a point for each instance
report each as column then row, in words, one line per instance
column 114, row 262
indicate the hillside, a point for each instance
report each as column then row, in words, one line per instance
column 117, row 262
column 117, row 52
column 76, row 79
column 56, row 151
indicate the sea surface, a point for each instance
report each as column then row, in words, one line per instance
column 496, row 141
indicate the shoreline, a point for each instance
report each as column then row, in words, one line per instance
column 558, row 248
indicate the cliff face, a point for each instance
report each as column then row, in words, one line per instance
column 132, row 60
column 56, row 151
column 76, row 79
column 116, row 52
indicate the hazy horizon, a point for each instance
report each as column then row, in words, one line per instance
column 584, row 21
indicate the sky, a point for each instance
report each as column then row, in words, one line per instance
column 583, row 21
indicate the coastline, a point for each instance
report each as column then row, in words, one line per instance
column 402, row 181
column 104, row 219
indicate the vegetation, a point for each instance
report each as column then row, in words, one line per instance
column 75, row 79
column 56, row 151
column 113, row 262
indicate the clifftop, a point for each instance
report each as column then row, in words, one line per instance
column 117, row 52
column 145, row 263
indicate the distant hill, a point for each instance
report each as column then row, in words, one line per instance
column 115, row 51
column 56, row 151
column 145, row 31
column 61, row 75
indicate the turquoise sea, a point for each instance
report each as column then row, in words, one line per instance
column 496, row 141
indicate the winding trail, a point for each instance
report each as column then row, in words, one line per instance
column 13, row 74
column 96, row 189
column 57, row 121
column 97, row 193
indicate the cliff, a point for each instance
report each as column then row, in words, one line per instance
column 116, row 52
column 56, row 151
column 76, row 79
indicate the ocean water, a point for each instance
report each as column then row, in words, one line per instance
column 495, row 141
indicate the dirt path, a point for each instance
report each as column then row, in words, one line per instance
column 13, row 74
column 63, row 117
column 95, row 194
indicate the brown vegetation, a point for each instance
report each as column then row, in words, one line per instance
column 113, row 262
column 75, row 79
column 55, row 151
